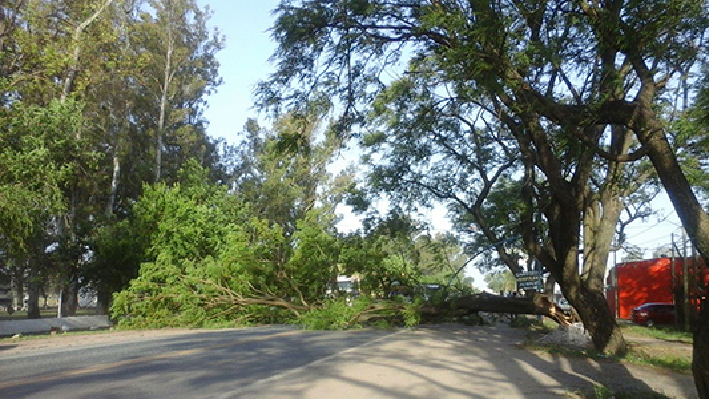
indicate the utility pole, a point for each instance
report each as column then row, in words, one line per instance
column 674, row 277
column 685, row 277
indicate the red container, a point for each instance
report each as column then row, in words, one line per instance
column 651, row 280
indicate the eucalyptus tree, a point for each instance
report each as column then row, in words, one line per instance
column 70, row 64
column 283, row 179
column 180, row 69
column 34, row 142
column 94, row 51
column 10, row 21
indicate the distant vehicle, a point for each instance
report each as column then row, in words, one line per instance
column 652, row 313
column 346, row 286
column 564, row 304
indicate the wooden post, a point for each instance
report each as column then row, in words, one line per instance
column 685, row 278
column 674, row 277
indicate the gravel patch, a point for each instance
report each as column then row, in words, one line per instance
column 573, row 336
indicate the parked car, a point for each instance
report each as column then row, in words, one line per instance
column 652, row 313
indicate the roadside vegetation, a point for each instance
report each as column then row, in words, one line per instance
column 674, row 355
column 602, row 392
column 543, row 128
column 664, row 333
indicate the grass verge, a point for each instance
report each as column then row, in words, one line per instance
column 43, row 335
column 677, row 364
column 602, row 392
column 664, row 333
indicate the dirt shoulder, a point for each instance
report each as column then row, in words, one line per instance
column 10, row 346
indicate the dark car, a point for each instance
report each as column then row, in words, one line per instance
column 652, row 313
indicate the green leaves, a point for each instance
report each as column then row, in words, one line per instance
column 37, row 160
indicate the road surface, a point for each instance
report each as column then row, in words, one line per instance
column 434, row 362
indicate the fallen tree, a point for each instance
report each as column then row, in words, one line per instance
column 227, row 305
column 535, row 304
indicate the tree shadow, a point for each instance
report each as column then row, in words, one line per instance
column 448, row 361
column 4, row 346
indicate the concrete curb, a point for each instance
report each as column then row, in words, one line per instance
column 33, row 326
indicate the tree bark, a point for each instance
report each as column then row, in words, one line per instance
column 163, row 104
column 114, row 181
column 700, row 353
column 694, row 219
column 18, row 278
column 103, row 300
column 33, row 293
column 600, row 322
column 537, row 304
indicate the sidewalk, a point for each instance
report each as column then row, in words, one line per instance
column 9, row 328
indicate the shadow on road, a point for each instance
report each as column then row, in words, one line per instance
column 447, row 361
column 460, row 362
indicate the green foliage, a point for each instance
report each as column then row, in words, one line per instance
column 196, row 259
column 679, row 364
column 214, row 257
column 412, row 313
column 38, row 158
column 603, row 392
column 501, row 280
column 335, row 314
column 665, row 333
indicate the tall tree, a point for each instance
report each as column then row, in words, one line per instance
column 181, row 69
column 35, row 170
column 513, row 63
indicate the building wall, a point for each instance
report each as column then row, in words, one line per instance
column 633, row 283
column 643, row 281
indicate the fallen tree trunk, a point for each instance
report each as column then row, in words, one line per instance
column 536, row 304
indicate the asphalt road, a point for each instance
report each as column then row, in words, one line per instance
column 446, row 361
column 203, row 365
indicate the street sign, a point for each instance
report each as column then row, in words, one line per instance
column 529, row 280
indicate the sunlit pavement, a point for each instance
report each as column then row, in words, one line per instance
column 447, row 361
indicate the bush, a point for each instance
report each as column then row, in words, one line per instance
column 334, row 314
column 412, row 313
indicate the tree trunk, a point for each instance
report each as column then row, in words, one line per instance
column 536, row 304
column 163, row 105
column 18, row 301
column 33, row 293
column 700, row 355
column 694, row 220
column 114, row 181
column 599, row 321
column 103, row 297
column 72, row 302
column 62, row 310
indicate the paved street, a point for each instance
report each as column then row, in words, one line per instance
column 431, row 362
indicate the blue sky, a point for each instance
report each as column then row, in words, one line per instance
column 244, row 62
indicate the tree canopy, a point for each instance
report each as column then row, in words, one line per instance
column 560, row 105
